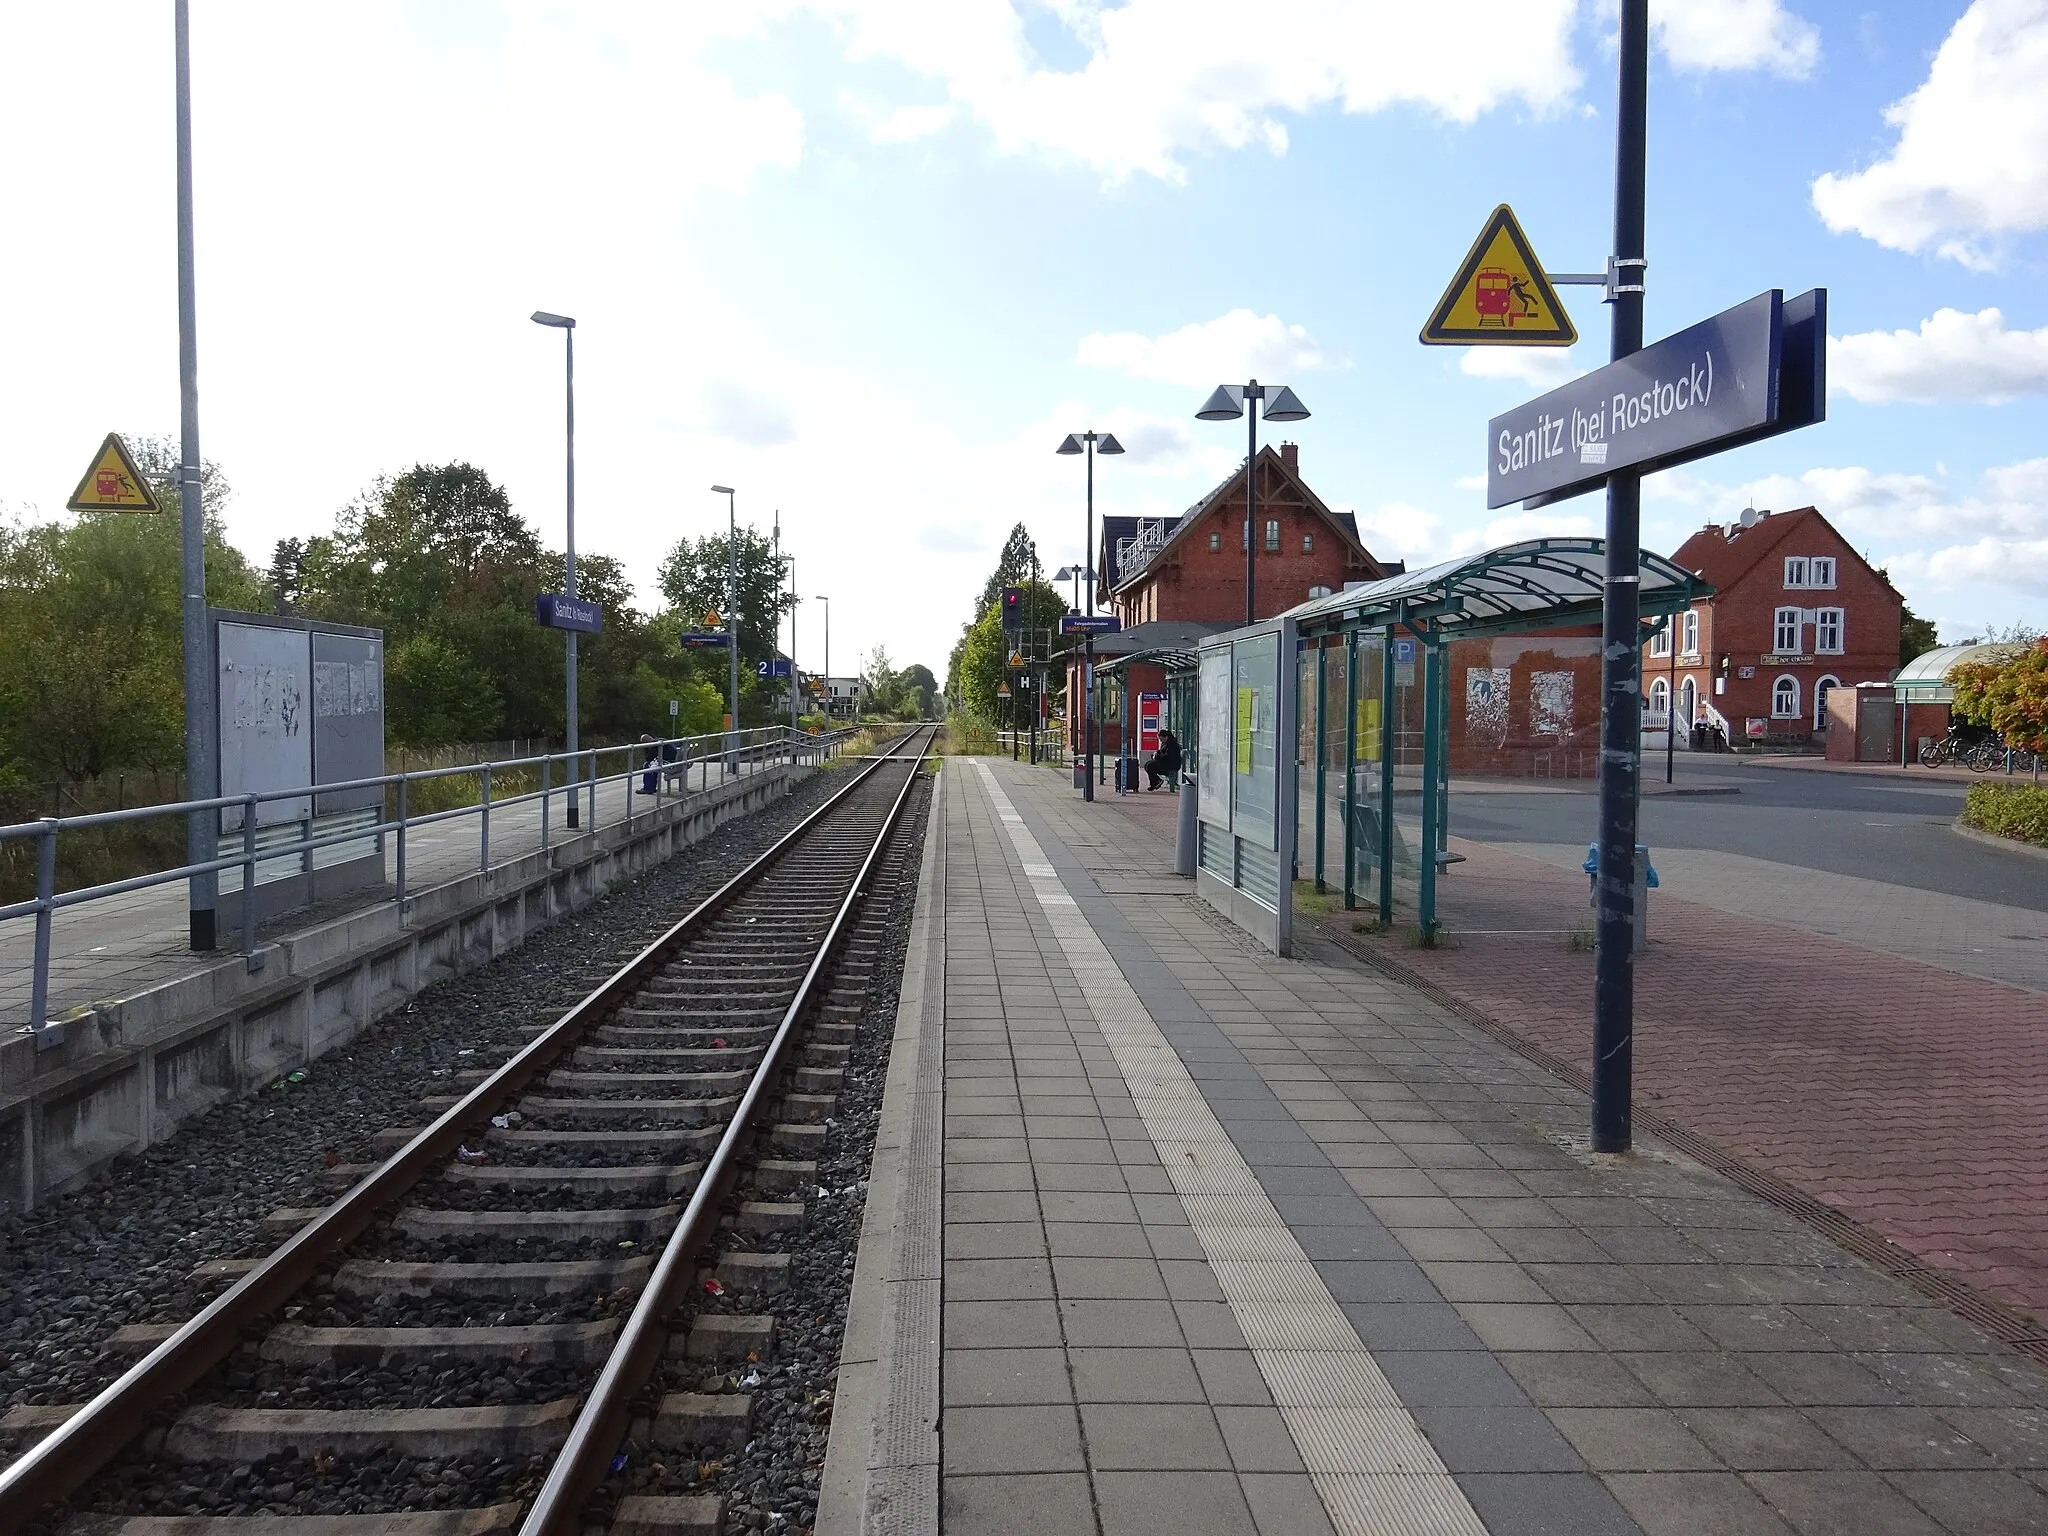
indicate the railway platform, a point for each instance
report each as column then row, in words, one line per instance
column 1166, row 1234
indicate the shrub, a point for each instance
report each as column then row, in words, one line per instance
column 2011, row 810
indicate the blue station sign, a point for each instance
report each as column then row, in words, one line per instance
column 1089, row 624
column 559, row 612
column 779, row 667
column 1745, row 374
column 702, row 639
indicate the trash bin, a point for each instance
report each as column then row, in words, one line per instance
column 1080, row 773
column 1645, row 882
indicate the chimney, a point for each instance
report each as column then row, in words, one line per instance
column 1290, row 455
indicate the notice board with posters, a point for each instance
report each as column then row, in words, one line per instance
column 1247, row 793
column 298, row 704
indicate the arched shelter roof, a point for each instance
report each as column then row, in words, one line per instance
column 1535, row 584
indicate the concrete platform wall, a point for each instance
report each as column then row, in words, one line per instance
column 133, row 1069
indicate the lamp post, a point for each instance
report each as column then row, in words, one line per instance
column 567, row 327
column 732, row 624
column 795, row 692
column 202, row 741
column 828, row 654
column 1104, row 442
column 1229, row 402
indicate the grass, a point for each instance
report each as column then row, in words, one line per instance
column 2017, row 811
column 967, row 736
column 1581, row 940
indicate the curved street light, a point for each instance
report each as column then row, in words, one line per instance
column 1097, row 442
column 1227, row 403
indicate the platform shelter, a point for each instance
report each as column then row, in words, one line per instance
column 1489, row 663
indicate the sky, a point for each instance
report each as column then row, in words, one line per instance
column 868, row 261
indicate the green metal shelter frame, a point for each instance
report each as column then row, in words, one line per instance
column 1535, row 585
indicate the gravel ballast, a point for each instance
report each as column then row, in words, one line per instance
column 122, row 1249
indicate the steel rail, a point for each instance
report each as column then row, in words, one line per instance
column 66, row 1459
column 585, row 1460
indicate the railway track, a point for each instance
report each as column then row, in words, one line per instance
column 572, row 1266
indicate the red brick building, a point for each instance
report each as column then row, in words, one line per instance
column 1796, row 612
column 1191, row 567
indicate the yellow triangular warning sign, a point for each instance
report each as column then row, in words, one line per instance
column 1016, row 658
column 1500, row 297
column 711, row 618
column 113, row 484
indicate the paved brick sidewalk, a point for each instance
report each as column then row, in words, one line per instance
column 1586, row 1345
column 1905, row 1095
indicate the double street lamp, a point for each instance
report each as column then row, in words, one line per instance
column 1095, row 442
column 567, row 327
column 1229, row 402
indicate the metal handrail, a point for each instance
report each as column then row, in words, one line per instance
column 62, row 1462
column 756, row 744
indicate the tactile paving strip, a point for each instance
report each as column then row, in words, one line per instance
column 1372, row 1466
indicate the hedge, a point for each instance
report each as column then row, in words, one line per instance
column 2011, row 810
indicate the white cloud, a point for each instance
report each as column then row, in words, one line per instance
column 1401, row 531
column 1970, row 168
column 907, row 123
column 1953, row 356
column 1922, row 530
column 747, row 416
column 1395, row 530
column 1167, row 77
column 1734, row 34
column 1239, row 345
column 1539, row 367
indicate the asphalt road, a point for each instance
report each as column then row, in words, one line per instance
column 1874, row 828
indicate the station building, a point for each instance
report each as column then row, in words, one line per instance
column 1795, row 613
column 1185, row 574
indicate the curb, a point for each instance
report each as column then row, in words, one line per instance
column 1998, row 840
column 881, row 1475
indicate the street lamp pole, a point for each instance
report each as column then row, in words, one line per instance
column 828, row 655
column 567, row 327
column 795, row 692
column 732, row 623
column 202, row 740
column 1107, row 443
column 1224, row 404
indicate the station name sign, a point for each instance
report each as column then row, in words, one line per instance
column 559, row 612
column 1745, row 374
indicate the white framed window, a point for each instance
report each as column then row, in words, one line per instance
column 1273, row 537
column 1318, row 591
column 1660, row 642
column 1785, row 697
column 1809, row 571
column 1820, row 701
column 1827, row 631
column 1215, row 542
column 1689, row 633
column 1308, row 543
column 1785, row 635
column 1660, row 698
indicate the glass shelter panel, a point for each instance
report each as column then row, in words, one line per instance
column 1254, row 752
column 1525, row 706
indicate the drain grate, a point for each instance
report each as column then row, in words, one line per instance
column 2007, row 1324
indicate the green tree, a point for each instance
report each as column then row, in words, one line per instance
column 693, row 578
column 92, row 628
column 1916, row 636
column 920, row 687
column 1017, row 564
column 2009, row 697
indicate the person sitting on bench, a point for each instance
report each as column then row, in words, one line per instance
column 1163, row 766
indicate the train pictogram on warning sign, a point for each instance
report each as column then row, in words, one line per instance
column 1500, row 296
